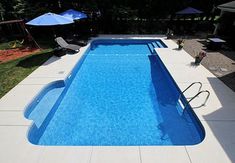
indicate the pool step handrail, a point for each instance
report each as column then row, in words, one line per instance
column 199, row 89
column 196, row 95
column 204, row 103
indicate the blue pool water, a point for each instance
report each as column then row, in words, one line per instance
column 119, row 94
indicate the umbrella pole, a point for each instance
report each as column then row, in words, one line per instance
column 54, row 33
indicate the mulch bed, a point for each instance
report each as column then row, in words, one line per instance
column 12, row 54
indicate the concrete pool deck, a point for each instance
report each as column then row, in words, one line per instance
column 217, row 117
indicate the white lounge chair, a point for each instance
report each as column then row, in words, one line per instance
column 62, row 43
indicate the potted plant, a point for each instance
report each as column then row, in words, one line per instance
column 180, row 43
column 199, row 57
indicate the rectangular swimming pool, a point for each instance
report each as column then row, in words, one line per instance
column 119, row 94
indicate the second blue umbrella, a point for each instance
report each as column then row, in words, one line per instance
column 73, row 14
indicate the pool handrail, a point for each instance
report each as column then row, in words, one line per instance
column 199, row 89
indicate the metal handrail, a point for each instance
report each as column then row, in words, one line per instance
column 196, row 95
column 191, row 86
column 203, row 104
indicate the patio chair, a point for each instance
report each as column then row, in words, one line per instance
column 62, row 43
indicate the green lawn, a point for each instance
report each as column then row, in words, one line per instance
column 10, row 44
column 11, row 73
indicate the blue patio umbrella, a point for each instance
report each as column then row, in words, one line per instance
column 50, row 19
column 189, row 11
column 73, row 14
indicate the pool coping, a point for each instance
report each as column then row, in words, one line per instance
column 217, row 116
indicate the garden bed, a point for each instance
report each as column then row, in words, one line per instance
column 12, row 54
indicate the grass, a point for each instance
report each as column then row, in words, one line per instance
column 12, row 72
column 44, row 43
column 10, row 45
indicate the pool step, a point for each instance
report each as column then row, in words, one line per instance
column 159, row 45
column 181, row 104
column 44, row 101
column 153, row 45
column 151, row 48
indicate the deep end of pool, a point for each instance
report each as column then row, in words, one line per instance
column 119, row 93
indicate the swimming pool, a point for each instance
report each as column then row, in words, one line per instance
column 119, row 93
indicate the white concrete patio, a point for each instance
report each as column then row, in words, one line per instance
column 217, row 117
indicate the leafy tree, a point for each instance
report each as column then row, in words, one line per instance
column 114, row 14
column 21, row 9
column 7, row 9
column 2, row 11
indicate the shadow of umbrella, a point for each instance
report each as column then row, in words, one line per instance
column 35, row 60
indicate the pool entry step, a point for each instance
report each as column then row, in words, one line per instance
column 153, row 45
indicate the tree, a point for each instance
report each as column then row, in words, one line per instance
column 21, row 9
column 2, row 11
column 7, row 9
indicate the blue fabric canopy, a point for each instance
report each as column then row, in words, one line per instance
column 229, row 7
column 73, row 14
column 50, row 19
column 189, row 10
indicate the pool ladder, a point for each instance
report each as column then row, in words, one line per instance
column 189, row 99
